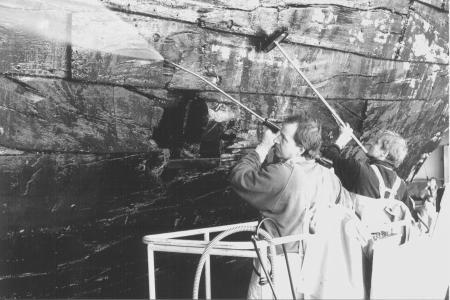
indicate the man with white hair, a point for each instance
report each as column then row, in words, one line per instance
column 385, row 152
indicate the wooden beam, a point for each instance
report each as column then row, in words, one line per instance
column 366, row 28
column 233, row 63
column 417, row 121
column 75, row 117
column 425, row 35
column 23, row 52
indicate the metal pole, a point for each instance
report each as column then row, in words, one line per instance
column 207, row 272
column 151, row 272
column 68, row 65
column 333, row 112
column 270, row 124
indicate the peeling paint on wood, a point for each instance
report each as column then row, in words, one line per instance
column 236, row 66
column 367, row 27
column 426, row 35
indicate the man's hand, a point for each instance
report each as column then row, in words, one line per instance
column 267, row 142
column 268, row 139
column 345, row 136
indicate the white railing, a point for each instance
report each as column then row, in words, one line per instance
column 173, row 242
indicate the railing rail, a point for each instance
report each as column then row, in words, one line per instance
column 173, row 242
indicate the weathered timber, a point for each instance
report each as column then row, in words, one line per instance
column 421, row 123
column 369, row 28
column 89, row 212
column 425, row 35
column 234, row 64
column 87, row 25
column 82, row 117
column 123, row 148
column 71, row 189
column 437, row 4
column 341, row 25
column 338, row 17
column 38, row 187
column 51, row 114
column 110, row 66
column 214, row 135
column 25, row 53
column 277, row 107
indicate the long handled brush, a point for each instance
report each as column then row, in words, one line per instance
column 273, row 41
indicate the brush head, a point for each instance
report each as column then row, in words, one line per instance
column 277, row 36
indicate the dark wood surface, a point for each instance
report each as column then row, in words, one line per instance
column 97, row 150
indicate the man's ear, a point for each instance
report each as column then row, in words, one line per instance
column 301, row 150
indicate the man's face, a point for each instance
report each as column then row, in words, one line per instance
column 374, row 149
column 285, row 146
column 432, row 183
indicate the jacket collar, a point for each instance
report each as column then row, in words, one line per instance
column 384, row 163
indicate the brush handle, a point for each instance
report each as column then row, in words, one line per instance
column 333, row 112
column 271, row 126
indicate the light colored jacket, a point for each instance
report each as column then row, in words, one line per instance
column 284, row 191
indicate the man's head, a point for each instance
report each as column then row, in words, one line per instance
column 432, row 182
column 299, row 136
column 388, row 146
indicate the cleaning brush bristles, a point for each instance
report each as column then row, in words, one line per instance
column 277, row 36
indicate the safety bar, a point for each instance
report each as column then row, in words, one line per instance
column 173, row 242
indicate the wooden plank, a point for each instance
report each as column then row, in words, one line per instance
column 60, row 190
column 32, row 175
column 365, row 27
column 99, row 207
column 418, row 122
column 57, row 190
column 232, row 62
column 425, row 35
column 110, row 55
column 436, row 4
column 50, row 114
column 87, row 24
column 247, row 129
column 102, row 193
column 238, row 125
column 27, row 53
column 335, row 75
column 109, row 68
column 369, row 32
column 8, row 151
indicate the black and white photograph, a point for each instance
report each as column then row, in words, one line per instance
column 238, row 149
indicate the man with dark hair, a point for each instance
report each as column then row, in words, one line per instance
column 286, row 191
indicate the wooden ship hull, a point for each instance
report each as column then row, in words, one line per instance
column 97, row 150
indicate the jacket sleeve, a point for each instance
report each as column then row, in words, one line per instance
column 347, row 169
column 259, row 185
column 408, row 201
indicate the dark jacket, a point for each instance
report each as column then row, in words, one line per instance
column 359, row 178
